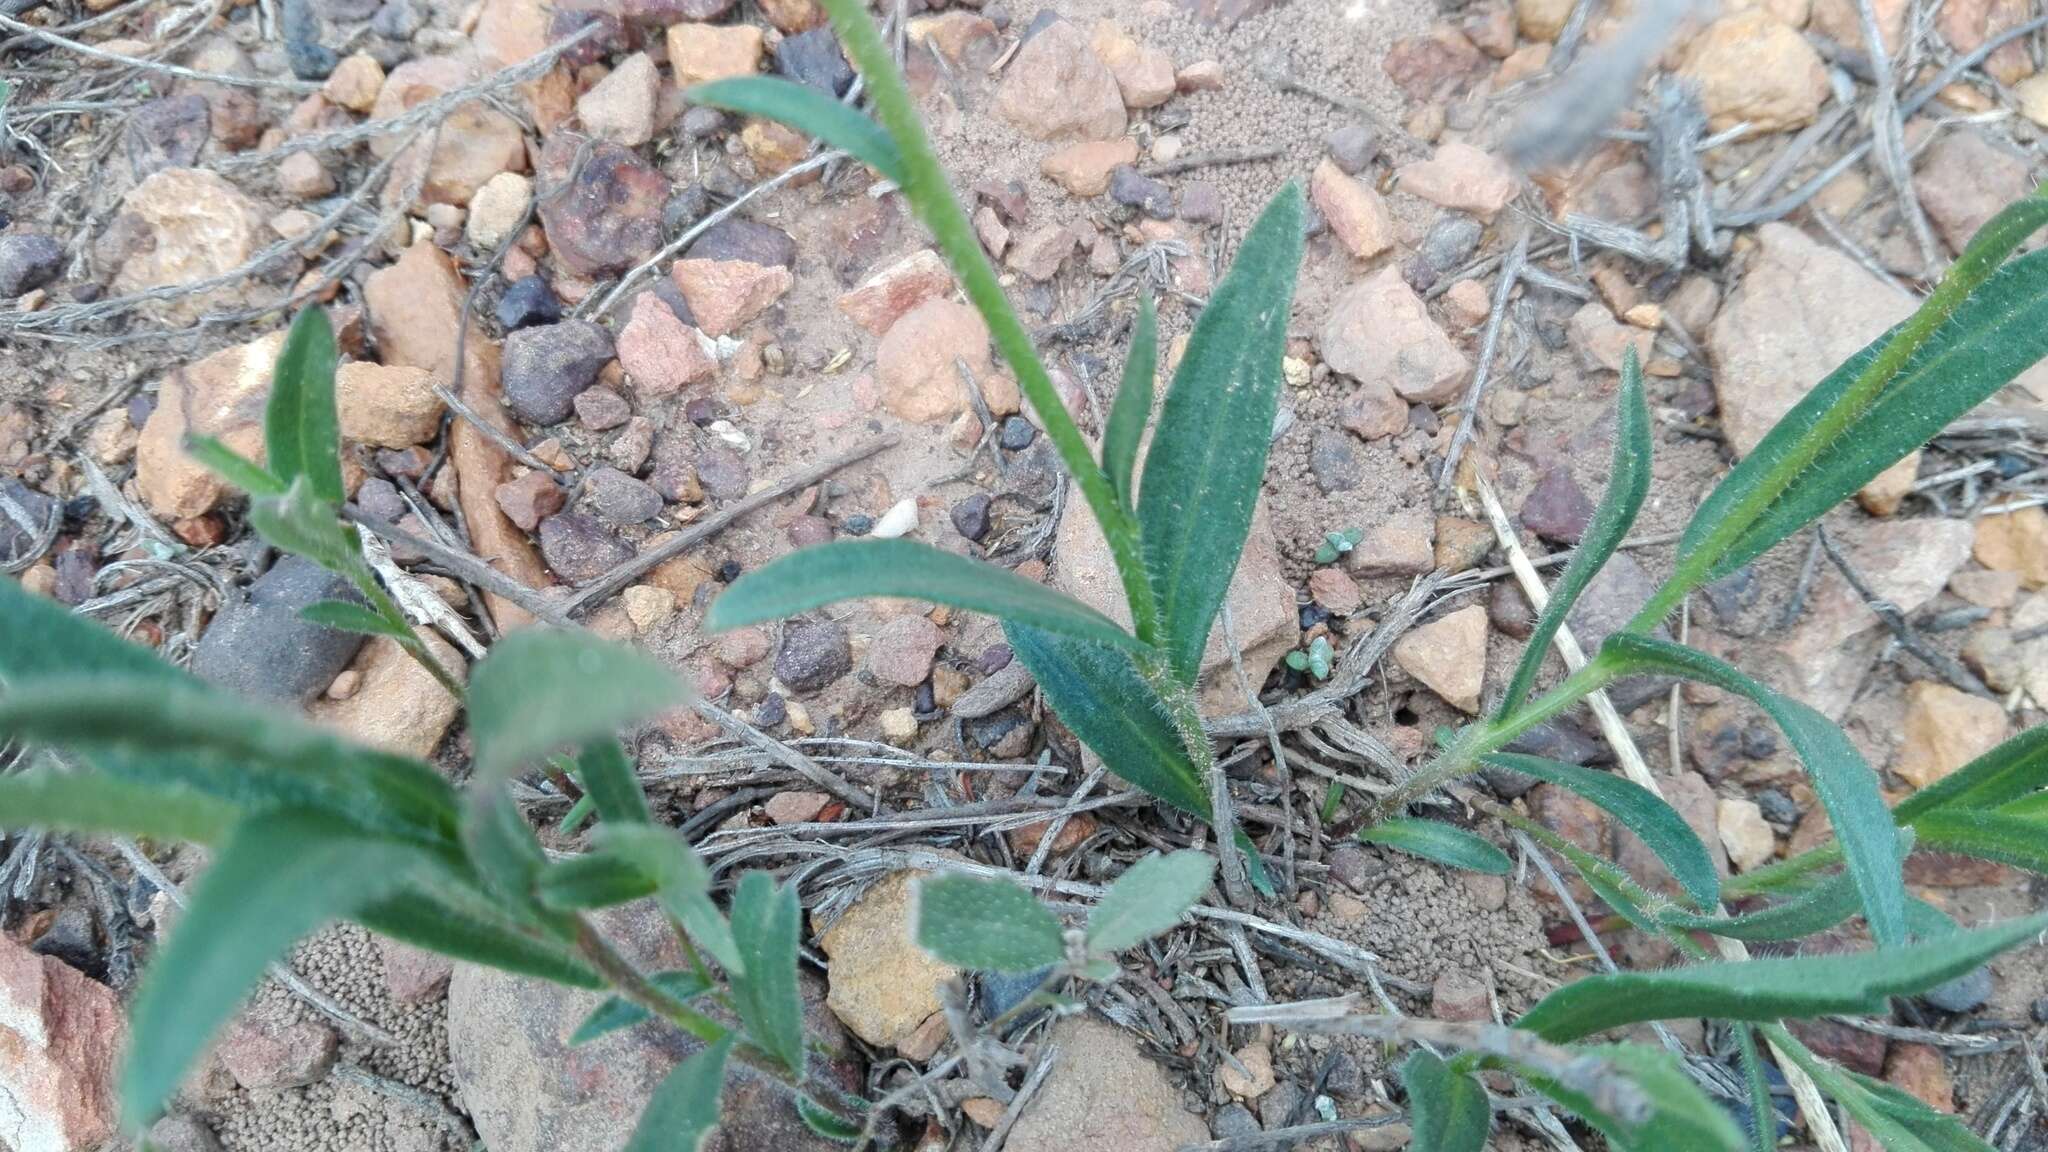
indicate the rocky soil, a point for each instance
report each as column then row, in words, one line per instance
column 621, row 349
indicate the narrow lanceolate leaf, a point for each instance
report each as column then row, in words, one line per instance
column 617, row 1012
column 504, row 851
column 1771, row 989
column 1817, row 909
column 477, row 935
column 827, row 1123
column 610, row 782
column 593, row 880
column 1132, row 410
column 1617, row 888
column 1763, row 1111
column 809, row 111
column 1666, row 1109
column 41, row 639
column 767, row 997
column 275, row 879
column 2020, row 841
column 683, row 1111
column 1846, row 785
column 304, row 524
column 1208, row 454
column 1447, row 1109
column 541, row 689
column 252, row 478
column 342, row 616
column 1437, row 841
column 682, row 885
column 849, row 569
column 2004, row 774
column 1900, row 1122
column 986, row 925
column 91, row 803
column 1656, row 823
column 301, row 433
column 1149, row 898
column 1628, row 480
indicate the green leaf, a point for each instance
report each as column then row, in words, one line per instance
column 41, row 639
column 1627, row 481
column 1149, row 898
column 543, row 688
column 1447, row 1110
column 1817, row 909
column 827, row 1123
column 1900, row 1122
column 609, row 780
column 1770, row 989
column 2008, row 839
column 1438, row 842
column 504, row 850
column 809, row 111
column 765, row 924
column 90, row 803
column 847, row 569
column 1608, row 881
column 245, row 474
column 1132, row 410
column 617, row 1012
column 1763, row 1111
column 301, row 433
column 343, row 616
column 592, row 880
column 302, row 523
column 477, row 935
column 1656, row 823
column 1679, row 1114
column 2006, row 773
column 277, row 878
column 683, row 1112
column 1848, row 789
column 1208, row 456
column 986, row 925
column 682, row 885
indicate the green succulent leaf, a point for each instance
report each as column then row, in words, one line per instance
column 275, row 879
column 252, row 478
column 1447, row 1110
column 765, row 925
column 1654, row 821
column 2014, row 769
column 541, row 689
column 301, row 432
column 1848, row 789
column 1771, row 989
column 848, row 569
column 1149, row 898
column 1438, row 842
column 1208, row 455
column 479, row 935
column 95, row 804
column 684, row 1110
column 344, row 616
column 1627, row 482
column 617, row 1012
column 1132, row 411
column 809, row 111
column 986, row 925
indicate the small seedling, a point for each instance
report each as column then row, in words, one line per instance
column 1316, row 659
column 1337, row 545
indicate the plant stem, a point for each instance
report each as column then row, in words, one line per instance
column 925, row 186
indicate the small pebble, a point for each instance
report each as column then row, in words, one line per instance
column 899, row 520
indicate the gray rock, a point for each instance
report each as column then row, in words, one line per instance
column 182, row 1134
column 1232, row 1121
column 1450, row 242
column 398, row 20
column 166, row 133
column 1002, row 991
column 703, row 122
column 813, row 58
column 1131, row 187
column 1965, row 993
column 578, row 548
column 1561, row 740
column 527, row 302
column 547, row 366
column 1017, row 434
column 345, row 11
column 1201, row 202
column 1333, row 461
column 813, row 654
column 259, row 646
column 1350, row 866
column 996, row 691
column 27, row 262
column 1352, row 147
column 620, row 498
column 738, row 238
column 970, row 516
column 1610, row 601
column 1276, row 1107
column 722, row 471
column 15, row 540
column 1557, row 508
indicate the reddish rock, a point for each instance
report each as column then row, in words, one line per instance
column 413, row 975
column 1373, row 411
column 1144, row 75
column 1083, row 169
column 1460, row 998
column 609, row 217
column 884, row 297
column 724, row 295
column 699, row 53
column 530, row 499
column 222, row 396
column 1920, row 1071
column 1964, row 180
column 902, row 651
column 61, row 1035
column 914, row 364
column 1433, row 66
column 1852, row 1048
column 795, row 807
column 1356, row 213
column 1751, row 67
column 1380, row 330
column 1056, row 88
column 660, row 353
column 265, row 1053
column 1462, row 178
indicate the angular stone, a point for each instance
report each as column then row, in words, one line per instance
column 1144, row 75
column 883, row 298
column 619, row 498
column 1380, row 330
column 2014, row 541
column 621, row 107
column 813, row 654
column 1434, row 65
column 608, row 217
column 1357, row 214
column 1943, row 730
column 61, row 1036
column 661, row 354
column 1557, row 508
column 578, row 548
column 724, row 295
column 915, row 361
column 400, row 707
column 1055, row 88
column 545, row 368
column 738, row 238
column 1083, row 169
column 1745, row 834
column 1449, row 656
column 1463, row 179
column 882, row 984
column 1403, row 544
column 1963, row 180
column 902, row 651
column 1750, row 67
column 199, row 226
column 1104, row 1093
column 27, row 262
column 699, row 53
column 222, row 396
column 266, row 1053
column 166, row 133
column 389, row 407
column 1372, row 411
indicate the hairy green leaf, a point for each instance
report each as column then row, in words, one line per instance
column 504, row 851
column 608, row 778
column 1654, row 821
column 1132, row 410
column 1677, row 1114
column 1898, row 1121
column 2006, row 773
column 476, row 934
column 1763, row 1111
column 1848, row 789
column 617, row 1012
column 91, row 803
column 1770, row 989
column 1447, row 1110
column 343, row 616
column 765, row 919
column 1608, row 881
column 592, row 880
column 826, row 1123
column 2008, row 839
column 847, row 569
column 1628, row 480
column 809, row 111
column 41, row 639
column 252, row 478
column 683, row 1112
column 682, row 885
column 275, row 879
column 304, row 524
column 301, row 433
column 1816, row 909
column 1437, row 841
column 1149, row 898
column 543, row 688
column 1208, row 455
column 986, row 925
